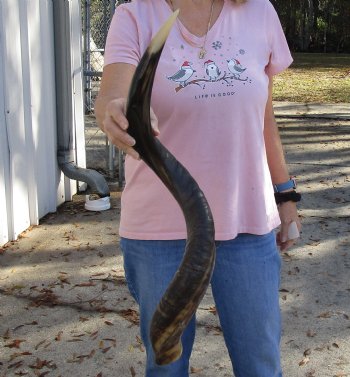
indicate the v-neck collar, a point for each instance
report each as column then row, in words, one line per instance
column 195, row 39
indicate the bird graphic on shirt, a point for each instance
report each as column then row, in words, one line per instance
column 235, row 66
column 212, row 70
column 183, row 74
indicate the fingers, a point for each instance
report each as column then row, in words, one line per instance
column 290, row 225
column 120, row 138
column 154, row 123
column 288, row 234
column 284, row 245
column 116, row 109
column 115, row 126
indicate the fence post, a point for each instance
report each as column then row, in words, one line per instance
column 87, row 61
column 112, row 7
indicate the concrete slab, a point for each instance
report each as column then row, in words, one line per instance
column 313, row 110
column 66, row 311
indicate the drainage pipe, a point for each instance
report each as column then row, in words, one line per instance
column 66, row 154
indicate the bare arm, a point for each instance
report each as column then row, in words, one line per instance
column 111, row 102
column 279, row 171
column 110, row 106
column 274, row 149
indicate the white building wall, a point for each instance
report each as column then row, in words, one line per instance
column 4, row 161
column 31, row 185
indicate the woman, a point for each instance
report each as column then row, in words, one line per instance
column 212, row 103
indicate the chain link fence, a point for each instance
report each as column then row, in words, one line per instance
column 100, row 154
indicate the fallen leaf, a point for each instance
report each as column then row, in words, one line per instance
column 46, row 298
column 39, row 364
column 31, row 323
column 131, row 315
column 132, row 371
column 114, row 342
column 304, row 361
column 216, row 329
column 18, row 354
column 195, row 370
column 39, row 344
column 16, row 365
column 86, row 284
column 43, row 373
column 63, row 279
column 138, row 339
column 307, row 352
column 94, row 335
column 15, row 343
column 78, row 335
column 109, row 323
column 310, row 373
column 6, row 334
column 325, row 315
column 17, row 287
column 58, row 337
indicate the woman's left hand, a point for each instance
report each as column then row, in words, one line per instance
column 288, row 214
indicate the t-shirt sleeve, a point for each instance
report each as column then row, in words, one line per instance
column 122, row 43
column 280, row 56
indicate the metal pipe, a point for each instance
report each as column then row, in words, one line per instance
column 111, row 154
column 66, row 154
column 121, row 169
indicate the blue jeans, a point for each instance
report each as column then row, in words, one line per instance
column 245, row 287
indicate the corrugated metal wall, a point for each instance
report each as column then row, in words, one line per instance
column 31, row 184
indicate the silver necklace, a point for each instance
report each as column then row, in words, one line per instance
column 202, row 51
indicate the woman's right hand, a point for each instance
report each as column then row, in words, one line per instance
column 115, row 126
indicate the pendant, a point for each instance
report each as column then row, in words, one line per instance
column 202, row 53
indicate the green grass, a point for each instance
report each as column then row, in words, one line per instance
column 323, row 78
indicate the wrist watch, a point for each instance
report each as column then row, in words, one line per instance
column 291, row 184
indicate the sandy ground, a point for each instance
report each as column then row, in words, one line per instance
column 65, row 309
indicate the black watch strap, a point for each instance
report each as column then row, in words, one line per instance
column 290, row 196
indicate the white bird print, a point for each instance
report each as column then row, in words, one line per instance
column 183, row 74
column 212, row 70
column 235, row 66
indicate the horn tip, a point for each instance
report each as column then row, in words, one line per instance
column 159, row 39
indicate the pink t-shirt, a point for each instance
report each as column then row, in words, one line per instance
column 211, row 116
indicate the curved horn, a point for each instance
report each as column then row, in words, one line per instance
column 190, row 282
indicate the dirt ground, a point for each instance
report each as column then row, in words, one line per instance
column 65, row 309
